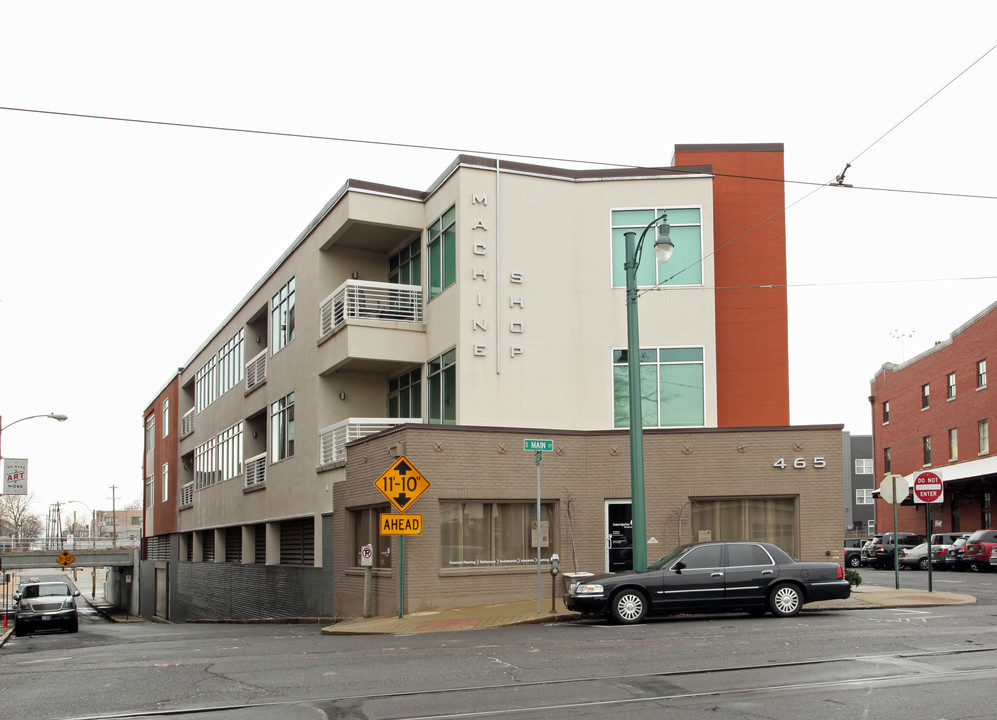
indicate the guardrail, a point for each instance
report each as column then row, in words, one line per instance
column 8, row 544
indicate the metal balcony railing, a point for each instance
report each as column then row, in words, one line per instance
column 256, row 370
column 186, row 499
column 359, row 299
column 256, row 470
column 333, row 439
column 187, row 423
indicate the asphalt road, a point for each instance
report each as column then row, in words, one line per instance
column 833, row 664
column 981, row 585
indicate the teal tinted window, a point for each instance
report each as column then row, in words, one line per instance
column 442, row 243
column 686, row 233
column 671, row 388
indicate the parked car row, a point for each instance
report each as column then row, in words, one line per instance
column 948, row 551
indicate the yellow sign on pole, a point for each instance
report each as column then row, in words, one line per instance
column 402, row 484
column 401, row 524
column 66, row 559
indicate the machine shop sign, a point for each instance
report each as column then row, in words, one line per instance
column 15, row 476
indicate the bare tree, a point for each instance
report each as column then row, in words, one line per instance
column 16, row 517
column 133, row 505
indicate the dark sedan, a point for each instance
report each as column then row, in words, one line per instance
column 712, row 577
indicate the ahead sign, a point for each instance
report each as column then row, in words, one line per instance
column 928, row 488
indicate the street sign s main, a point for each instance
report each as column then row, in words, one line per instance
column 538, row 445
column 402, row 484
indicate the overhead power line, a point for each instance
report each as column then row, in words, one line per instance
column 443, row 148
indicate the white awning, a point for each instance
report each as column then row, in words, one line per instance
column 955, row 471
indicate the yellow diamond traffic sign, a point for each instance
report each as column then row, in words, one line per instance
column 66, row 559
column 402, row 484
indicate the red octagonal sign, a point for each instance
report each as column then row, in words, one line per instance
column 928, row 488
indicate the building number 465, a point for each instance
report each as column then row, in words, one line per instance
column 799, row 463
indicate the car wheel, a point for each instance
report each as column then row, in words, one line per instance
column 854, row 561
column 20, row 631
column 628, row 606
column 973, row 567
column 922, row 564
column 785, row 600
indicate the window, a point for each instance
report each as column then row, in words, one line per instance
column 671, row 387
column 441, row 374
column 703, row 558
column 367, row 531
column 150, row 492
column 887, row 465
column 231, row 363
column 206, row 464
column 297, row 542
column 166, row 417
column 493, row 534
column 981, row 374
column 863, row 466
column 166, row 482
column 925, row 396
column 686, row 233
column 206, row 384
column 282, row 428
column 282, row 317
column 863, row 496
column 150, row 433
column 218, row 459
column 984, row 427
column 926, row 449
column 886, row 412
column 405, row 395
column 771, row 520
column 405, row 267
column 950, row 386
column 953, row 444
column 441, row 241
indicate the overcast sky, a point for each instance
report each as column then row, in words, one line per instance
column 124, row 245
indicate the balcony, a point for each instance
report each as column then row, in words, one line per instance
column 371, row 327
column 256, row 470
column 333, row 439
column 256, row 371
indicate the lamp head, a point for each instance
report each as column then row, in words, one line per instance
column 58, row 416
column 663, row 245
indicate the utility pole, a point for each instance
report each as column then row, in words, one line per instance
column 114, row 517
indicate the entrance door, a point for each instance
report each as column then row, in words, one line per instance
column 619, row 536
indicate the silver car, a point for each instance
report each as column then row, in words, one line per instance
column 45, row 606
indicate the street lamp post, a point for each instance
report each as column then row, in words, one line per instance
column 663, row 247
column 54, row 416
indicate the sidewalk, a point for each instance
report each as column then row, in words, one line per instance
column 524, row 612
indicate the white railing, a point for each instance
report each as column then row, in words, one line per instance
column 256, row 470
column 79, row 542
column 186, row 495
column 187, row 423
column 256, row 370
column 333, row 439
column 357, row 299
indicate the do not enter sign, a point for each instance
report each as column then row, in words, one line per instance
column 928, row 488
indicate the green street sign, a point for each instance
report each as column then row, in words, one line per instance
column 538, row 445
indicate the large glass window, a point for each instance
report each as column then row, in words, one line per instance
column 687, row 234
column 206, row 384
column 282, row 317
column 863, row 466
column 441, row 240
column 761, row 519
column 218, row 459
column 493, row 533
column 231, row 363
column 953, row 444
column 282, row 428
column 671, row 387
column 863, row 496
column 441, row 374
column 984, row 429
column 405, row 395
column 367, row 531
column 405, row 266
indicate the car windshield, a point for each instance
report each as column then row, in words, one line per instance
column 33, row 591
column 669, row 558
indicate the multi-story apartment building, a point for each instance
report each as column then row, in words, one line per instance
column 860, row 482
column 453, row 320
column 933, row 413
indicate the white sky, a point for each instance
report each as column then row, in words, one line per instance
column 123, row 245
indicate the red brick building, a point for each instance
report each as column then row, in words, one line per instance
column 933, row 413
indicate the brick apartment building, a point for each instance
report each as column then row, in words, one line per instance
column 933, row 413
column 447, row 325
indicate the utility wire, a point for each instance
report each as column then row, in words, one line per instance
column 442, row 148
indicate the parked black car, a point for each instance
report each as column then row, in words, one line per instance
column 941, row 545
column 879, row 552
column 954, row 559
column 45, row 606
column 853, row 551
column 752, row 577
